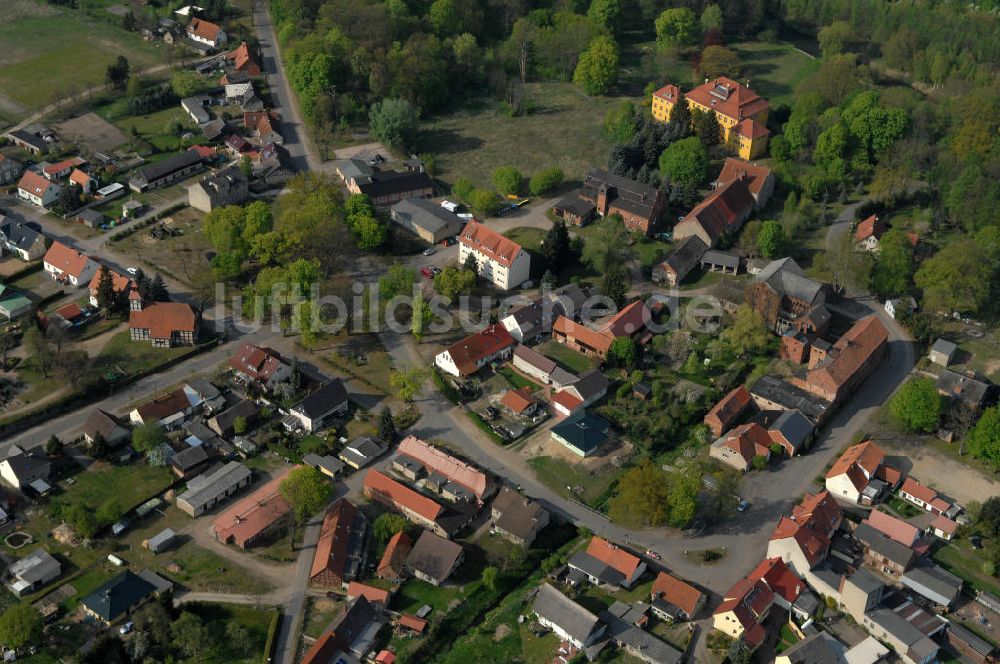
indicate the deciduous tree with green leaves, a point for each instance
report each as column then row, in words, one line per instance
column 983, row 439
column 771, row 239
column 147, row 436
column 408, row 382
column 676, row 27
column 507, row 180
column 394, row 121
column 20, row 625
column 597, row 69
column 917, row 405
column 747, row 333
column 685, row 162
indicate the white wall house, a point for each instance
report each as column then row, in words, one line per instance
column 501, row 261
column 206, row 32
column 69, row 266
column 38, row 190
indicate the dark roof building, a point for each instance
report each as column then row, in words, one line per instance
column 433, row 558
column 429, row 221
column 684, row 258
column 348, row 638
column 321, row 405
column 582, row 433
column 639, row 205
column 104, row 424
column 167, row 171
column 117, row 597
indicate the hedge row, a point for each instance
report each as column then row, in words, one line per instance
column 272, row 635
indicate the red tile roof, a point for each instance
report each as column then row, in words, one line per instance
column 59, row 166
column 893, row 528
column 69, row 311
column 631, row 319
column 254, row 514
column 204, row 151
column 853, row 351
column 866, row 456
column 779, row 578
column 669, row 93
column 243, row 60
column 467, row 353
column 599, row 341
column 748, row 600
column 395, row 552
column 735, row 169
column 67, row 260
column 385, row 657
column 811, row 525
column 720, row 211
column 889, row 475
column 256, row 362
column 567, row 400
column 165, row 406
column 370, row 593
column 940, row 504
column 870, row 227
column 204, row 29
column 437, row 460
column 679, row 593
column 381, row 485
column 749, row 440
column 613, row 556
column 918, row 490
column 518, row 400
column 944, row 524
column 120, row 282
column 331, row 548
column 162, row 319
column 752, row 130
column 485, row 240
column 729, row 408
column 414, row 623
column 34, row 183
column 80, row 178
column 736, row 101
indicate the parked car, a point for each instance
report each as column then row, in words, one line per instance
column 653, row 554
column 430, row 251
column 426, row 271
column 126, row 628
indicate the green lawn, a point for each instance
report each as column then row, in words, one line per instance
column 965, row 562
column 132, row 485
column 529, row 238
column 416, row 593
column 566, row 356
column 775, row 71
column 319, row 614
column 564, row 129
column 558, row 474
column 127, row 356
column 48, row 57
column 157, row 128
column 516, row 380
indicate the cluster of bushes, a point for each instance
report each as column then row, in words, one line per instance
column 508, row 181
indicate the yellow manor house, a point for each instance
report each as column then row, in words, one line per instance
column 738, row 108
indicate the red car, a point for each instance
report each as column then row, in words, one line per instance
column 426, row 271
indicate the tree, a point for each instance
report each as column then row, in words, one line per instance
column 747, row 242
column 676, row 27
column 107, row 299
column 917, row 405
column 957, row 278
column 190, row 635
column 771, row 240
column 685, row 162
column 452, row 281
column 722, row 495
column 307, row 490
column 507, row 180
column 893, row 266
column 240, row 425
column 408, row 382
column 623, row 352
column 39, row 349
column 369, row 233
column 157, row 290
column 838, row 77
column 20, row 625
column 99, row 447
column 490, row 577
column 134, row 87
column 8, row 341
column 545, row 181
column 615, row 285
column 719, row 61
column 117, row 74
column 53, row 446
column 835, row 38
column 597, row 69
column 557, row 249
column 386, row 525
column 462, row 188
column 394, row 121
column 484, row 201
column 146, row 437
column 680, row 116
column 706, row 127
column 620, row 123
column 643, row 495
column 471, row 263
column 988, row 519
column 711, row 18
column 683, row 502
column 605, row 13
column 387, row 426
column 759, row 462
column 983, row 439
column 747, row 333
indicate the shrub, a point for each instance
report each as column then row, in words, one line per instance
column 484, row 201
column 545, row 181
column 507, row 180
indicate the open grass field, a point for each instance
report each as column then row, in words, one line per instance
column 562, row 476
column 567, row 357
column 133, row 484
column 564, row 129
column 49, row 54
column 774, row 70
column 158, row 127
column 121, row 353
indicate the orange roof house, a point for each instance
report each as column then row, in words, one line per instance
column 872, row 227
column 803, row 539
column 893, row 528
column 205, row 32
column 739, row 447
column 728, row 411
column 62, row 168
column 340, row 545
column 680, row 594
column 415, row 506
column 243, row 60
column 722, row 212
column 605, row 563
column 849, row 362
column 466, row 357
column 391, row 566
column 744, row 607
column 247, row 522
column 68, row 265
column 759, row 179
column 518, row 401
column 82, row 180
column 120, row 283
column 853, row 472
column 484, row 240
column 259, row 364
column 436, row 460
column 631, row 321
column 923, row 496
column 164, row 324
column 376, row 596
column 412, row 623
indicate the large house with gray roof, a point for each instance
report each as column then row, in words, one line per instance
column 786, row 298
column 210, row 489
column 566, row 618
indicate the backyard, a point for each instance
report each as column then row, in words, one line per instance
column 124, row 356
column 567, row 357
column 574, row 480
column 183, row 257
